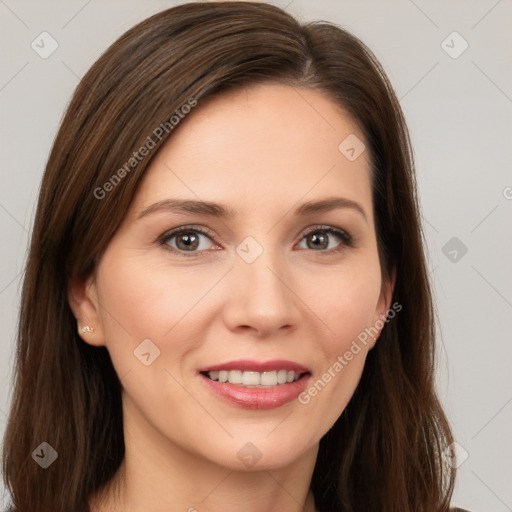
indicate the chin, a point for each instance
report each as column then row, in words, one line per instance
column 257, row 453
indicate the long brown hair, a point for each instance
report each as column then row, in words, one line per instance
column 385, row 452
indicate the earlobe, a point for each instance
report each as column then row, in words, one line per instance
column 83, row 302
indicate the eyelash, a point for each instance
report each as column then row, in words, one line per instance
column 346, row 239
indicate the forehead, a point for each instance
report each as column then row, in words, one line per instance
column 255, row 146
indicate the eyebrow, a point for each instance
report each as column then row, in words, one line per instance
column 220, row 211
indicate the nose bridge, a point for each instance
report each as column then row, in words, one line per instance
column 261, row 296
column 257, row 266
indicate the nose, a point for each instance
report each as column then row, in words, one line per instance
column 261, row 297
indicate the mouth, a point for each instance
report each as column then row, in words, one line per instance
column 256, row 385
column 254, row 379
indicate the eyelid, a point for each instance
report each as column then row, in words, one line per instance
column 328, row 228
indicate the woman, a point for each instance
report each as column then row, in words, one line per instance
column 226, row 300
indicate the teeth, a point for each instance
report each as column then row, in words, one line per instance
column 235, row 377
column 250, row 379
column 268, row 379
column 254, row 379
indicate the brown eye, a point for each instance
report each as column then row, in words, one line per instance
column 318, row 241
column 187, row 241
column 323, row 239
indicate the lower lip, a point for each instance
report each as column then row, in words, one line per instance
column 257, row 398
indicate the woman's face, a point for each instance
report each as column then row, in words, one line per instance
column 279, row 281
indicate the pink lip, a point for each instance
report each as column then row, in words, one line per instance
column 247, row 365
column 257, row 398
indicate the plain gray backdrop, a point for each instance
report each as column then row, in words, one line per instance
column 450, row 64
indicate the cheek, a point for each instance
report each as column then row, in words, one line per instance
column 141, row 300
column 329, row 393
column 346, row 305
column 346, row 301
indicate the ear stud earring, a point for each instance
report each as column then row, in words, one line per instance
column 85, row 329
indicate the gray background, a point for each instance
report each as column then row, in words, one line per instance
column 459, row 113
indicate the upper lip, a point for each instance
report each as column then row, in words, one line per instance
column 257, row 366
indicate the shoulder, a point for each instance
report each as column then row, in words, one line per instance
column 457, row 509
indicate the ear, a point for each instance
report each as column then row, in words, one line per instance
column 386, row 293
column 83, row 301
column 384, row 303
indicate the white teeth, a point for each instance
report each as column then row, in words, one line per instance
column 250, row 379
column 235, row 377
column 268, row 379
column 254, row 379
column 281, row 376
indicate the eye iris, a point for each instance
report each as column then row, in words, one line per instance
column 319, row 240
column 191, row 241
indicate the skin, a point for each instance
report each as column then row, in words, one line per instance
column 261, row 151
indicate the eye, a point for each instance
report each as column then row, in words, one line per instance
column 187, row 239
column 190, row 240
column 319, row 239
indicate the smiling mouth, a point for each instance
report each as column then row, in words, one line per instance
column 253, row 379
